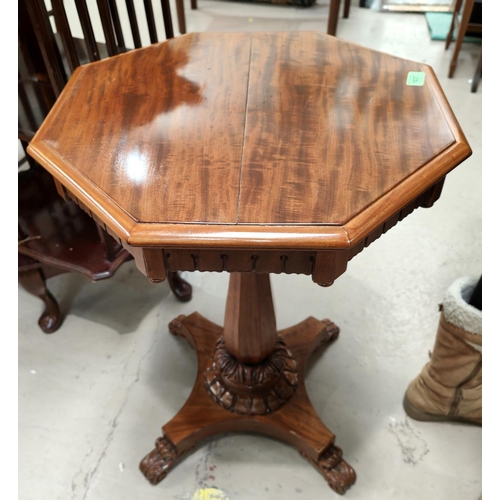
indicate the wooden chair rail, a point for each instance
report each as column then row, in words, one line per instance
column 111, row 25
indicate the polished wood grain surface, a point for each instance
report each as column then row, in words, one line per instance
column 330, row 128
column 158, row 137
column 263, row 140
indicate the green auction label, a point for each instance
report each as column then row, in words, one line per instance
column 415, row 78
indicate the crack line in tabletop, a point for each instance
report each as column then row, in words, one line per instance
column 244, row 129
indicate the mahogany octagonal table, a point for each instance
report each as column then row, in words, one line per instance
column 252, row 154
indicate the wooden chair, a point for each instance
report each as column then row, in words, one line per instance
column 465, row 27
column 181, row 16
column 478, row 73
column 55, row 236
column 333, row 15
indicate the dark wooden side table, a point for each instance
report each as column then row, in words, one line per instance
column 251, row 154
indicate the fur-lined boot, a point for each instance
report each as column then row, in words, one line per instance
column 449, row 387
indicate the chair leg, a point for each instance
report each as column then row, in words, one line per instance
column 333, row 17
column 181, row 16
column 33, row 282
column 449, row 38
column 31, row 162
column 478, row 74
column 180, row 288
column 347, row 6
column 194, row 4
column 469, row 5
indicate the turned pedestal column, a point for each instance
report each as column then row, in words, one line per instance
column 249, row 322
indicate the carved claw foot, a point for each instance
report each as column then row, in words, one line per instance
column 157, row 464
column 339, row 474
column 332, row 332
column 175, row 326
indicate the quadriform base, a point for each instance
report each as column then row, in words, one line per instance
column 268, row 397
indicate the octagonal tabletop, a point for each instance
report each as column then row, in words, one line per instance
column 274, row 140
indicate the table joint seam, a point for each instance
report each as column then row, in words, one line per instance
column 244, row 128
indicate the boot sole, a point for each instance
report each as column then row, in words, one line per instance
column 422, row 416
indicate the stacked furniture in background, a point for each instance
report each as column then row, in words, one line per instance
column 55, row 236
column 470, row 23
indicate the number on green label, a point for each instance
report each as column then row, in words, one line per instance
column 415, row 78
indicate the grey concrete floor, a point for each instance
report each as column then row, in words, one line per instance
column 94, row 395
